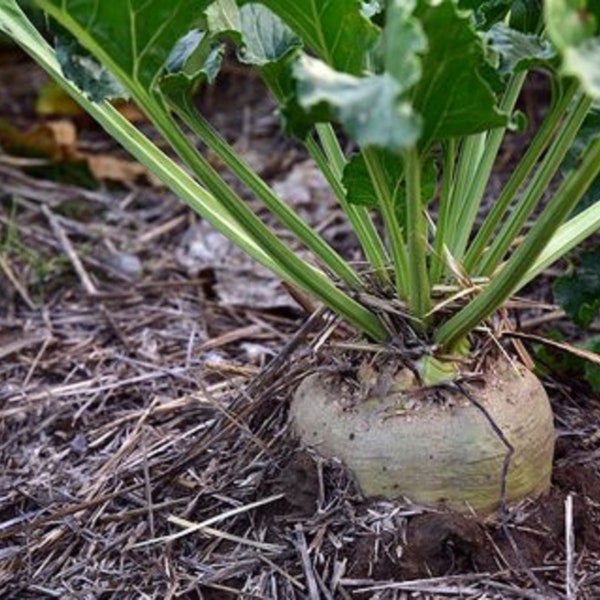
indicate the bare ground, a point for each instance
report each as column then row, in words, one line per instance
column 144, row 378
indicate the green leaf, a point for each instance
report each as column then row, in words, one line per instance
column 266, row 38
column 262, row 40
column 358, row 183
column 223, row 16
column 360, row 189
column 135, row 37
column 453, row 96
column 336, row 30
column 519, row 51
column 579, row 292
column 369, row 108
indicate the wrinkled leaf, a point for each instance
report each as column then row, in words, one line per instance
column 519, row 51
column 84, row 70
column 336, row 30
column 486, row 12
column 579, row 292
column 266, row 37
column 369, row 108
column 196, row 58
column 223, row 16
column 262, row 40
column 259, row 34
column 453, row 96
column 371, row 8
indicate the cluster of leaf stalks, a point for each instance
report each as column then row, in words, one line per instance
column 425, row 90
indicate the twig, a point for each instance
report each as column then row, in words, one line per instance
column 16, row 283
column 313, row 588
column 570, row 549
column 69, row 250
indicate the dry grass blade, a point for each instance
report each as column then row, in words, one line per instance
column 193, row 528
column 570, row 549
column 592, row 357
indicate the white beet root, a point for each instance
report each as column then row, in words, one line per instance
column 430, row 451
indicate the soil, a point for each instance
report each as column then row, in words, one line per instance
column 144, row 384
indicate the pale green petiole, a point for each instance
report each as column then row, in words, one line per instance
column 184, row 107
column 515, row 271
column 419, row 300
column 522, row 170
column 385, row 201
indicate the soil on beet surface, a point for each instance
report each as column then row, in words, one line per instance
column 153, row 393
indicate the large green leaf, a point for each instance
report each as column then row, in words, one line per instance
column 336, row 30
column 453, row 96
column 369, row 108
column 132, row 38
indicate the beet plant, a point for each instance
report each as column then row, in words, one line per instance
column 404, row 106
